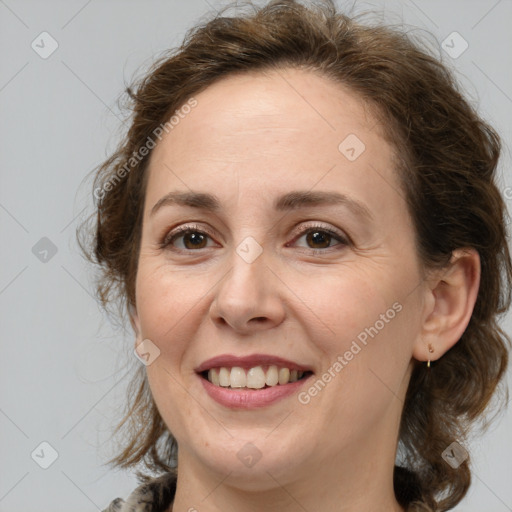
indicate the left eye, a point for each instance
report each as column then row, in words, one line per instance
column 193, row 238
column 321, row 237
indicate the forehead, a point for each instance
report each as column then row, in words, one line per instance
column 273, row 129
column 298, row 103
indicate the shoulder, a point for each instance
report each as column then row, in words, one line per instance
column 154, row 495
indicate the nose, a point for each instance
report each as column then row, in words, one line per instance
column 249, row 297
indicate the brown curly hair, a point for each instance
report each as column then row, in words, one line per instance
column 446, row 156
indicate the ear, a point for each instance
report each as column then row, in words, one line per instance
column 134, row 321
column 450, row 298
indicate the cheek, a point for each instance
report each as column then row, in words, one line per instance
column 166, row 300
column 171, row 398
column 342, row 306
column 367, row 323
column 369, row 366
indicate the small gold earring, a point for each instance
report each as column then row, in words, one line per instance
column 430, row 349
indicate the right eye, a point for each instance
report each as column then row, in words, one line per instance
column 192, row 237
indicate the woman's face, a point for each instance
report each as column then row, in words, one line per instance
column 277, row 274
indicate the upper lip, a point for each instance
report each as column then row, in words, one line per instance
column 229, row 361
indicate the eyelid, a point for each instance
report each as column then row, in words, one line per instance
column 301, row 230
column 184, row 228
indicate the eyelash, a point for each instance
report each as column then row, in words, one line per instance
column 182, row 230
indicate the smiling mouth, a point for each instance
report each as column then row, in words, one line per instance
column 257, row 377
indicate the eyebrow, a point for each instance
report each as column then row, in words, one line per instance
column 287, row 202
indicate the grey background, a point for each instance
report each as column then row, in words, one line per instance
column 64, row 366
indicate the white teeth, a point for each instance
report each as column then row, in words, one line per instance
column 272, row 376
column 256, row 378
column 238, row 378
column 224, row 378
column 253, row 378
column 284, row 376
column 213, row 376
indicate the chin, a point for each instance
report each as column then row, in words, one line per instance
column 253, row 462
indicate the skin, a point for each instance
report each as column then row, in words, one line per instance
column 250, row 139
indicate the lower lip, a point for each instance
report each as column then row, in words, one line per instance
column 251, row 398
